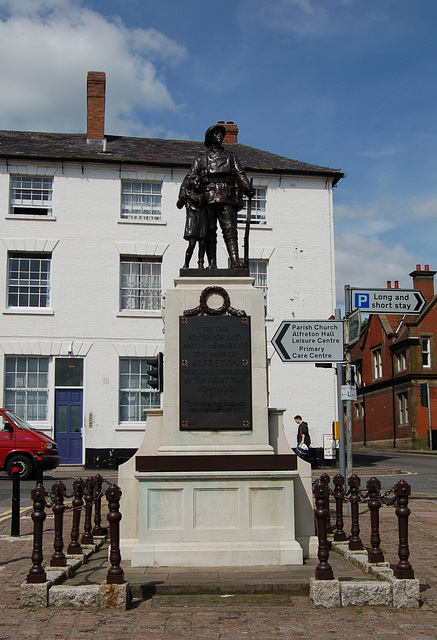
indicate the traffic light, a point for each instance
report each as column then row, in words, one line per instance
column 156, row 372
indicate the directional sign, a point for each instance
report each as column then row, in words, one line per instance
column 352, row 328
column 309, row 341
column 397, row 301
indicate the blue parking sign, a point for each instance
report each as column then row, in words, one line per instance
column 361, row 300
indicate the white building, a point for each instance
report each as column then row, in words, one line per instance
column 90, row 240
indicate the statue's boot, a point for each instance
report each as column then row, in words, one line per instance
column 232, row 247
column 211, row 253
column 188, row 254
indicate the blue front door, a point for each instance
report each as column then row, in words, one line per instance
column 68, row 424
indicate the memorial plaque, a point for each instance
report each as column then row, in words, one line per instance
column 215, row 373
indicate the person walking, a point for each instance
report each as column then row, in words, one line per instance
column 303, row 439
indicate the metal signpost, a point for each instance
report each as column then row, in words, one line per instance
column 322, row 341
column 316, row 341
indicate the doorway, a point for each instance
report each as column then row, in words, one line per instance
column 69, row 409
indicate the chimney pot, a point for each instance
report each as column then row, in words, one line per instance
column 424, row 281
column 96, row 88
column 388, row 284
column 396, row 284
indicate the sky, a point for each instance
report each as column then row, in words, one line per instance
column 346, row 84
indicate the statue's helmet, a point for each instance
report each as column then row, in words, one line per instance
column 209, row 132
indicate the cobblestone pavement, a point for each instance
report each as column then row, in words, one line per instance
column 251, row 617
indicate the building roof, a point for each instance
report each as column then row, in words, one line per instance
column 151, row 151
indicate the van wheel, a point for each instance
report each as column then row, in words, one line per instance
column 24, row 463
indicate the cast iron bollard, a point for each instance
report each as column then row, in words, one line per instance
column 58, row 558
column 321, row 494
column 403, row 568
column 339, row 493
column 325, row 479
column 115, row 573
column 36, row 573
column 15, row 515
column 74, row 547
column 355, row 543
column 87, row 537
column 98, row 530
column 374, row 490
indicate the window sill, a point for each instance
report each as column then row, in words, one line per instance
column 28, row 311
column 128, row 221
column 242, row 225
column 137, row 313
column 19, row 216
column 131, row 426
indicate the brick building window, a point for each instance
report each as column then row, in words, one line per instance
column 359, row 410
column 141, row 200
column 29, row 280
column 135, row 393
column 402, row 399
column 401, row 361
column 31, row 196
column 358, row 376
column 376, row 364
column 425, row 344
column 258, row 207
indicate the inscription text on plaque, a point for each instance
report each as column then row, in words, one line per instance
column 215, row 376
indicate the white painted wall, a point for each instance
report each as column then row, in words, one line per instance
column 88, row 237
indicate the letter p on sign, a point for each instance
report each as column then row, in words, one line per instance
column 362, row 300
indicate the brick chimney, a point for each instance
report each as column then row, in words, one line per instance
column 96, row 86
column 231, row 131
column 424, row 281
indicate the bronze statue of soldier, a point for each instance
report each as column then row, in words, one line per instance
column 223, row 184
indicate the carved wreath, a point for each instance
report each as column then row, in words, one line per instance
column 204, row 309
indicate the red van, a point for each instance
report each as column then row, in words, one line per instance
column 19, row 445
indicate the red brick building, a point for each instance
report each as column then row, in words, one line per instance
column 397, row 375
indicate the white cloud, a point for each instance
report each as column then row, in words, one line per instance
column 378, row 217
column 368, row 262
column 301, row 18
column 50, row 45
column 305, row 19
column 425, row 210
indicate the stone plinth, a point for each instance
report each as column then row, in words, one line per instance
column 179, row 513
column 216, row 519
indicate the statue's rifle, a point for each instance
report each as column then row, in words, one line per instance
column 247, row 229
